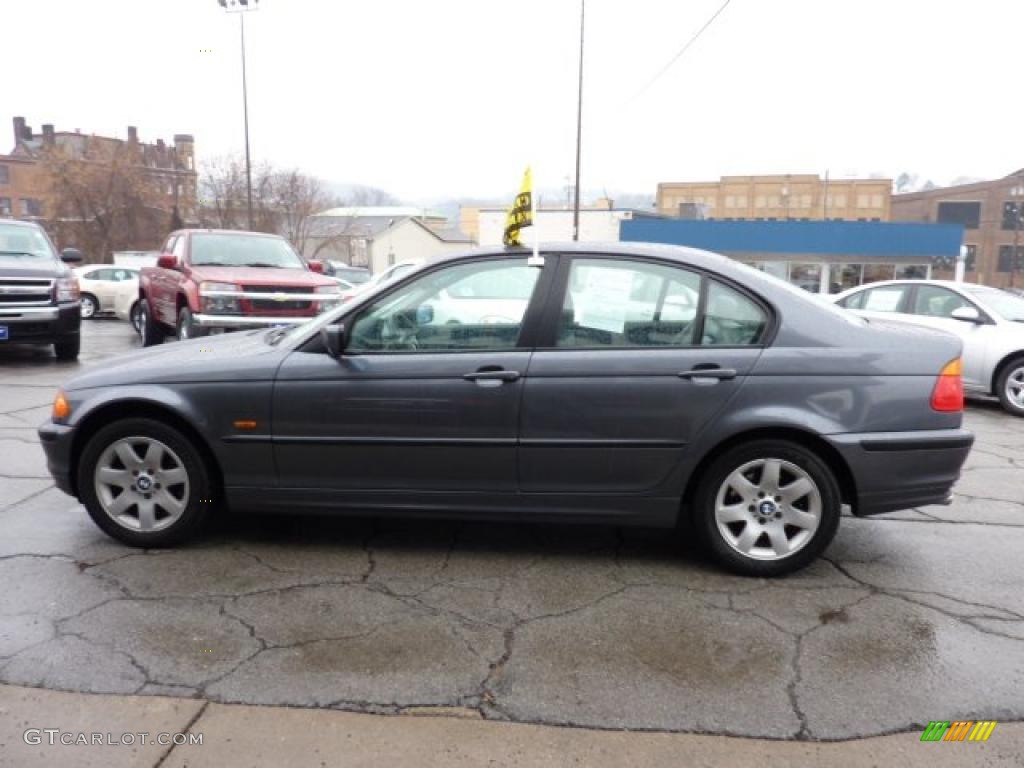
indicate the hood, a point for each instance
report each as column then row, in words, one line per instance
column 13, row 266
column 241, row 356
column 259, row 276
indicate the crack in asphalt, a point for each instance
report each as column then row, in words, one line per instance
column 186, row 730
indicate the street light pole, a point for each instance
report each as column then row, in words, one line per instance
column 240, row 7
column 579, row 130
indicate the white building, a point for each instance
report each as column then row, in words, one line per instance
column 377, row 237
column 596, row 225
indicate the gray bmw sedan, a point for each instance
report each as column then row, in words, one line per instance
column 618, row 384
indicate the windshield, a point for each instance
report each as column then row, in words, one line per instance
column 24, row 244
column 1004, row 304
column 226, row 250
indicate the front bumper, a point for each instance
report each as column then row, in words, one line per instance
column 901, row 470
column 247, row 321
column 41, row 325
column 56, row 441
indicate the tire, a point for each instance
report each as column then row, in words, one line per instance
column 90, row 306
column 1010, row 387
column 68, row 348
column 135, row 317
column 151, row 332
column 744, row 525
column 179, row 486
column 187, row 328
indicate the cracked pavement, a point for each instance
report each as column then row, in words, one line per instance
column 909, row 617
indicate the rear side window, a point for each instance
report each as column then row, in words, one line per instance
column 888, row 298
column 628, row 303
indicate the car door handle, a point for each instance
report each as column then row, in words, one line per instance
column 491, row 375
column 708, row 373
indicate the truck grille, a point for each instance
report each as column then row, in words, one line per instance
column 25, row 291
column 270, row 306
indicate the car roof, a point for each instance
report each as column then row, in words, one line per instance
column 19, row 223
column 243, row 232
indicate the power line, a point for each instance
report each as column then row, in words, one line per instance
column 680, row 53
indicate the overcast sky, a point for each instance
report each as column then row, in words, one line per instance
column 452, row 98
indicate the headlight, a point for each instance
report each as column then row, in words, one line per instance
column 67, row 289
column 335, row 290
column 218, row 305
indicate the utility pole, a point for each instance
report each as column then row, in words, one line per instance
column 240, row 7
column 579, row 130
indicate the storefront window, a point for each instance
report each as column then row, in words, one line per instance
column 806, row 276
column 875, row 272
column 845, row 276
column 911, row 272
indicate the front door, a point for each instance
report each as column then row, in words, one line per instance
column 641, row 356
column 426, row 396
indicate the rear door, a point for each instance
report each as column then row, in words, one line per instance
column 639, row 355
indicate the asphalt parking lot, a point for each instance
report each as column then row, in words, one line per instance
column 910, row 617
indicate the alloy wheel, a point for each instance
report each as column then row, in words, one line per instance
column 88, row 307
column 1015, row 387
column 768, row 509
column 141, row 484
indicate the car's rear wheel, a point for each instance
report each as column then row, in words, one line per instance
column 1010, row 387
column 144, row 483
column 187, row 328
column 767, row 508
column 89, row 306
column 151, row 332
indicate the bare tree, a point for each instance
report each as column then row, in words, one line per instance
column 103, row 198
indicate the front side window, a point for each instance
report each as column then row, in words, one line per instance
column 933, row 301
column 474, row 306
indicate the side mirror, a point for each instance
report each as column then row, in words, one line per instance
column 966, row 314
column 334, row 339
column 167, row 261
column 316, row 266
column 71, row 256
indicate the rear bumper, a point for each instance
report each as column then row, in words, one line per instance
column 56, row 441
column 901, row 470
column 41, row 325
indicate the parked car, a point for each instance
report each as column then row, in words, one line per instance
column 216, row 280
column 755, row 417
column 39, row 301
column 393, row 272
column 107, row 289
column 989, row 321
column 353, row 275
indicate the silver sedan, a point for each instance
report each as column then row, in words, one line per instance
column 989, row 321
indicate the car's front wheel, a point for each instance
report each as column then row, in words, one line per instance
column 150, row 330
column 767, row 508
column 1010, row 387
column 144, row 483
column 187, row 328
column 135, row 316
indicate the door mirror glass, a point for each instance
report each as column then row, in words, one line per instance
column 333, row 338
column 967, row 314
column 167, row 261
column 71, row 255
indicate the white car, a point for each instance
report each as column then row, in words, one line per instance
column 989, row 321
column 106, row 288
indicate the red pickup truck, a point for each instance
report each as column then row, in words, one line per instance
column 215, row 280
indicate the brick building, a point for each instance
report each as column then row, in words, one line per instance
column 24, row 185
column 992, row 215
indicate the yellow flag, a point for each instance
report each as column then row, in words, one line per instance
column 521, row 213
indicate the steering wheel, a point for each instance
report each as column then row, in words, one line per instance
column 399, row 332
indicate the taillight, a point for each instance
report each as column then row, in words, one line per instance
column 948, row 394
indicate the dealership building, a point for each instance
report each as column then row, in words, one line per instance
column 819, row 256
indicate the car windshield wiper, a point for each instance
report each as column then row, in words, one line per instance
column 276, row 334
column 261, row 264
column 19, row 253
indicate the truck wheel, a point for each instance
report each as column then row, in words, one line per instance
column 187, row 328
column 68, row 348
column 135, row 316
column 144, row 483
column 767, row 508
column 89, row 306
column 151, row 332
